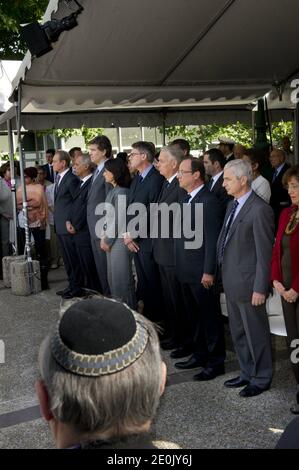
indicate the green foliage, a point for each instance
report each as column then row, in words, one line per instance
column 86, row 132
column 13, row 13
column 280, row 130
column 200, row 137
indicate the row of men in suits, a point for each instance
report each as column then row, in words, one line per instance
column 188, row 302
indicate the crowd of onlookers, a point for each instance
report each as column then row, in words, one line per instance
column 250, row 239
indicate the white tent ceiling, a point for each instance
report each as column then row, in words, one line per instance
column 148, row 55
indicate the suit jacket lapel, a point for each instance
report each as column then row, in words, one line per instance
column 238, row 219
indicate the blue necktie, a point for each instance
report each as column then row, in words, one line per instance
column 227, row 228
column 274, row 175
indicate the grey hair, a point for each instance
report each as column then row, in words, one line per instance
column 118, row 403
column 63, row 155
column 86, row 160
column 175, row 151
column 240, row 168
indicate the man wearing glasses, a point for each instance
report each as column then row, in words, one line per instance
column 145, row 189
column 202, row 325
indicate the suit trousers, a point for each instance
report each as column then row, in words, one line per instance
column 171, row 298
column 87, row 264
column 101, row 265
column 291, row 318
column 72, row 267
column 149, row 289
column 203, row 323
column 120, row 274
column 4, row 236
column 54, row 247
column 251, row 337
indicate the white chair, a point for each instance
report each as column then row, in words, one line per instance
column 274, row 310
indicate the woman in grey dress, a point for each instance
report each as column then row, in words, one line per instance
column 119, row 258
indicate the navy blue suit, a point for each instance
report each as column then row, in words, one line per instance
column 202, row 324
column 148, row 289
column 163, row 252
column 78, row 219
column 63, row 201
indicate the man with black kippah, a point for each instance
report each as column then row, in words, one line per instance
column 99, row 353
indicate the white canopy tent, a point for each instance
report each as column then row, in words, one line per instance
column 147, row 60
column 151, row 62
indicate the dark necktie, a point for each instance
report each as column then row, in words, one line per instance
column 226, row 230
column 51, row 173
column 187, row 198
column 164, row 190
column 56, row 184
column 210, row 184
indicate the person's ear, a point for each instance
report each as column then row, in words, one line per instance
column 43, row 398
column 164, row 377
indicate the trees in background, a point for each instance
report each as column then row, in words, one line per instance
column 13, row 13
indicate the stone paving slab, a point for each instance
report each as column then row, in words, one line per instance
column 191, row 415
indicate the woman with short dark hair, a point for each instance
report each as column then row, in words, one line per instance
column 119, row 258
column 285, row 266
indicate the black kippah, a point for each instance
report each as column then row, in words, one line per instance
column 97, row 337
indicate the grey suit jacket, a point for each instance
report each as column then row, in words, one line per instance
column 97, row 193
column 248, row 250
column 116, row 221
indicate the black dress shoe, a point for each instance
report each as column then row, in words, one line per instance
column 181, row 352
column 72, row 294
column 64, row 291
column 209, row 373
column 236, row 382
column 168, row 345
column 191, row 363
column 252, row 391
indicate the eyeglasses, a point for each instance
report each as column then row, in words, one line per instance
column 183, row 172
column 289, row 187
column 133, row 154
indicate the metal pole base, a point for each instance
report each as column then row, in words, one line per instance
column 6, row 262
column 25, row 277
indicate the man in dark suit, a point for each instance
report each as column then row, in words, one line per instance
column 100, row 149
column 48, row 167
column 279, row 195
column 214, row 162
column 195, row 269
column 244, row 256
column 145, row 189
column 66, row 185
column 77, row 223
column 163, row 248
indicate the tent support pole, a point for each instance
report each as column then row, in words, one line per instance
column 119, row 139
column 18, row 104
column 13, row 186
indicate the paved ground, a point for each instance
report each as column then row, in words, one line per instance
column 192, row 415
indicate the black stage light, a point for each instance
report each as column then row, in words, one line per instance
column 38, row 38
